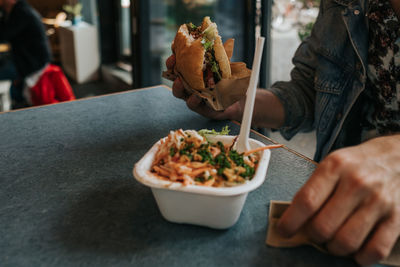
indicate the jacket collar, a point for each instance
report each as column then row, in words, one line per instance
column 345, row 2
column 349, row 3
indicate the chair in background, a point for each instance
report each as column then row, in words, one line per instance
column 52, row 87
column 5, row 103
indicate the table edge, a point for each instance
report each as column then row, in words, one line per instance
column 89, row 97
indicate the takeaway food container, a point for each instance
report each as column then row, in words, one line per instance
column 214, row 207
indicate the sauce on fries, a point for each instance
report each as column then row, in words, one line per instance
column 189, row 158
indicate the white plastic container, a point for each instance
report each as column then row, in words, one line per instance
column 213, row 207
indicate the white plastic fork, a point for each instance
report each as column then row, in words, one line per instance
column 242, row 144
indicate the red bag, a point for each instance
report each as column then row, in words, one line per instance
column 52, row 87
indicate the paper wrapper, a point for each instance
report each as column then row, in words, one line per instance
column 276, row 210
column 226, row 91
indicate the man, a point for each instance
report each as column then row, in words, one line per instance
column 21, row 26
column 346, row 85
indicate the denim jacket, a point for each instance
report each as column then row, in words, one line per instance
column 329, row 74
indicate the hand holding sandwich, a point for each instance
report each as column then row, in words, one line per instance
column 205, row 78
column 201, row 59
column 268, row 110
column 204, row 75
column 198, row 105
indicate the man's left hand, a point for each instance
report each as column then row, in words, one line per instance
column 351, row 203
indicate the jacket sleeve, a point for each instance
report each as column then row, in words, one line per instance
column 298, row 94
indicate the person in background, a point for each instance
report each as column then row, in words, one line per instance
column 22, row 28
column 345, row 84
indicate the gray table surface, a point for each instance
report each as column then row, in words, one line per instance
column 68, row 197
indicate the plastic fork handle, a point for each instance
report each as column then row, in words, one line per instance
column 243, row 139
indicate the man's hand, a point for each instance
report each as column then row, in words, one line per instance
column 197, row 104
column 351, row 203
column 268, row 110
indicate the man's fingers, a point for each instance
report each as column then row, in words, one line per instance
column 330, row 218
column 178, row 90
column 356, row 229
column 193, row 102
column 170, row 62
column 309, row 199
column 196, row 104
column 381, row 242
column 349, row 193
column 199, row 106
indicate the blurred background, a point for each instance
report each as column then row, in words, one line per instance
column 111, row 46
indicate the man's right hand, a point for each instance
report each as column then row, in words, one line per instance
column 268, row 110
column 198, row 105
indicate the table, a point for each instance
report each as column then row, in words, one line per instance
column 68, row 197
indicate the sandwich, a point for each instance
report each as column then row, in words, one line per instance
column 201, row 59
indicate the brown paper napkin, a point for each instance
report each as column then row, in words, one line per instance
column 276, row 210
column 226, row 92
